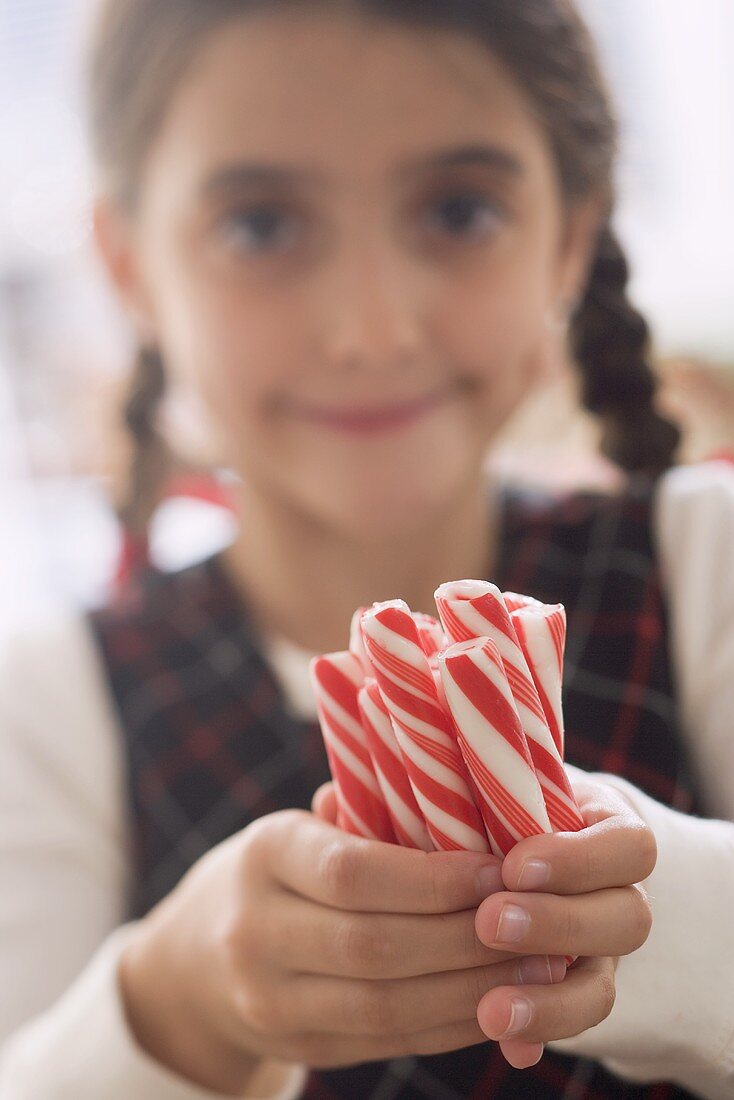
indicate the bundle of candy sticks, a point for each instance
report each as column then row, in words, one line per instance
column 447, row 733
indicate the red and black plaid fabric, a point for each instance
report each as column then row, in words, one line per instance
column 210, row 746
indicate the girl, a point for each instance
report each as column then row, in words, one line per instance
column 354, row 233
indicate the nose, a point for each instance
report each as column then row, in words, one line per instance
column 374, row 311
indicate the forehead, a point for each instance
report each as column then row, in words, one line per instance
column 343, row 93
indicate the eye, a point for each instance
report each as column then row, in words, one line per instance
column 463, row 214
column 263, row 228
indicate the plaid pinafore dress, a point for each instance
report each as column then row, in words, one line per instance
column 210, row 746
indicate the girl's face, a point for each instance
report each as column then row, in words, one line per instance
column 348, row 243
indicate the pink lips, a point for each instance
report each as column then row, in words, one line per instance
column 368, row 420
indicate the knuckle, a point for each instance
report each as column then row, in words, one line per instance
column 642, row 916
column 256, row 845
column 375, row 1009
column 648, row 851
column 360, row 948
column 240, row 939
column 316, row 1054
column 606, row 994
column 595, row 866
column 260, row 1012
column 286, row 823
column 319, row 1052
column 450, row 1038
column 386, row 1047
column 339, row 868
column 480, row 979
column 434, row 889
column 399, row 1046
column 422, row 1046
column 471, row 947
column 442, row 879
column 569, row 928
column 476, row 985
column 261, row 833
column 257, row 837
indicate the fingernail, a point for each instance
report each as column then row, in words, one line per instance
column 534, row 873
column 535, row 970
column 521, row 1012
column 489, row 880
column 513, row 924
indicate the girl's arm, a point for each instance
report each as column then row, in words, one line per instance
column 63, row 881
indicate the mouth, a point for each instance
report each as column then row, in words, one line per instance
column 372, row 419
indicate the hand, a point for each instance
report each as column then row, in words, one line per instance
column 295, row 941
column 523, row 1054
column 590, row 905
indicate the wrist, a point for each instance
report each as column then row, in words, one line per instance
column 167, row 1026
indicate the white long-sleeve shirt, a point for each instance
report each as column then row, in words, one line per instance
column 65, row 864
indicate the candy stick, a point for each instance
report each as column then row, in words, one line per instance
column 336, row 679
column 431, row 634
column 470, row 609
column 514, row 600
column 541, row 632
column 407, row 820
column 433, row 761
column 492, row 742
column 356, row 641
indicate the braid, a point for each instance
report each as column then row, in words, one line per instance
column 151, row 460
column 611, row 342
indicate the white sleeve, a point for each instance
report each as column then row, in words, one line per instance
column 695, row 526
column 64, row 870
column 674, row 1015
column 673, row 1019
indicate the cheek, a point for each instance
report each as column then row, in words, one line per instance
column 496, row 337
column 231, row 354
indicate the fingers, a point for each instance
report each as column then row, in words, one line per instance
column 382, row 1008
column 326, row 865
column 372, row 945
column 616, row 849
column 323, row 803
column 542, row 1013
column 323, row 1050
column 608, row 922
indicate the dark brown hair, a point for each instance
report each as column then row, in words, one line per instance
column 141, row 51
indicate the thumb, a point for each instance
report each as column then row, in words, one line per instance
column 323, row 803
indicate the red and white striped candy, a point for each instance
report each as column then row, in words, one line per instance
column 356, row 641
column 433, row 761
column 471, row 609
column 514, row 600
column 337, row 679
column 493, row 743
column 407, row 819
column 541, row 632
column 431, row 634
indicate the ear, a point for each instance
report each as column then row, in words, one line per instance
column 582, row 226
column 117, row 247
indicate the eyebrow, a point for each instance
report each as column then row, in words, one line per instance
column 251, row 174
column 467, row 156
column 254, row 174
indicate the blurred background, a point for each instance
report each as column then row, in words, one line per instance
column 65, row 351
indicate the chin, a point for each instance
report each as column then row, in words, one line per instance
column 372, row 505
